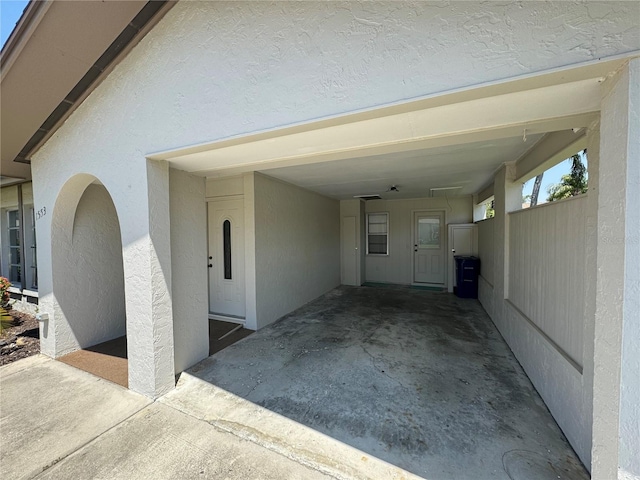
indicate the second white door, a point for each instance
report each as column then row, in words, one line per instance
column 428, row 248
column 226, row 258
column 349, row 251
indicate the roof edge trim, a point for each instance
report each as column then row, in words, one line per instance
column 29, row 20
column 133, row 32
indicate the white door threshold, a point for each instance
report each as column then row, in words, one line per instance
column 227, row 318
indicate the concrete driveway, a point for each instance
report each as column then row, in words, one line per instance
column 421, row 380
column 362, row 383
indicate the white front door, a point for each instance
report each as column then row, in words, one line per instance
column 226, row 258
column 428, row 248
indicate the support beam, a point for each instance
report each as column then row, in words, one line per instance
column 484, row 194
column 550, row 150
column 409, row 127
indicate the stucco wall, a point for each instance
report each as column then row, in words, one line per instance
column 224, row 187
column 616, row 411
column 558, row 382
column 397, row 267
column 297, row 241
column 91, row 290
column 629, row 461
column 213, row 70
column 189, row 286
column 558, row 379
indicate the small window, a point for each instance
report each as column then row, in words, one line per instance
column 15, row 249
column 378, row 234
column 428, row 233
column 226, row 240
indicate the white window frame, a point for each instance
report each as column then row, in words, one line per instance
column 386, row 214
column 11, row 247
column 32, row 259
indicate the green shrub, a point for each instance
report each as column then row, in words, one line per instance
column 4, row 293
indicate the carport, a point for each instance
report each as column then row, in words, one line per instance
column 551, row 276
column 416, row 378
column 446, row 155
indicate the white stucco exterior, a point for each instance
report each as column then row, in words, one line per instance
column 397, row 267
column 616, row 415
column 189, row 291
column 211, row 71
column 297, row 238
column 91, row 285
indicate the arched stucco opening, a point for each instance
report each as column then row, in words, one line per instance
column 88, row 273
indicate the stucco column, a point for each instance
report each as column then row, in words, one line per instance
column 616, row 410
column 251, row 309
column 507, row 198
column 147, row 270
column 590, row 260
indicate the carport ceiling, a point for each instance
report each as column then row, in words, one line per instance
column 415, row 173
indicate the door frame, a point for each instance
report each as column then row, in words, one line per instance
column 451, row 268
column 445, row 240
column 218, row 316
column 358, row 266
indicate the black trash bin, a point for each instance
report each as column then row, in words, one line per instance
column 467, row 271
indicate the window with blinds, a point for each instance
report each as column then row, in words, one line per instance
column 377, row 234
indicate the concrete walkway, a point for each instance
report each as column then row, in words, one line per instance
column 59, row 422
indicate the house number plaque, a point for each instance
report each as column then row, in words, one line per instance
column 41, row 213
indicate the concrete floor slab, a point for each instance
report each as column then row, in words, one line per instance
column 162, row 443
column 418, row 379
column 49, row 410
column 248, row 421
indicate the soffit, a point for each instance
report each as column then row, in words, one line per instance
column 52, row 59
column 453, row 139
column 414, row 173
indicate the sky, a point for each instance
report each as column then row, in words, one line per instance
column 10, row 11
column 550, row 177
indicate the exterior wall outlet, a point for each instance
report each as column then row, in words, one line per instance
column 42, row 316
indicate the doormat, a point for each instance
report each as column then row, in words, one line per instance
column 393, row 285
column 106, row 360
column 224, row 334
column 430, row 289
